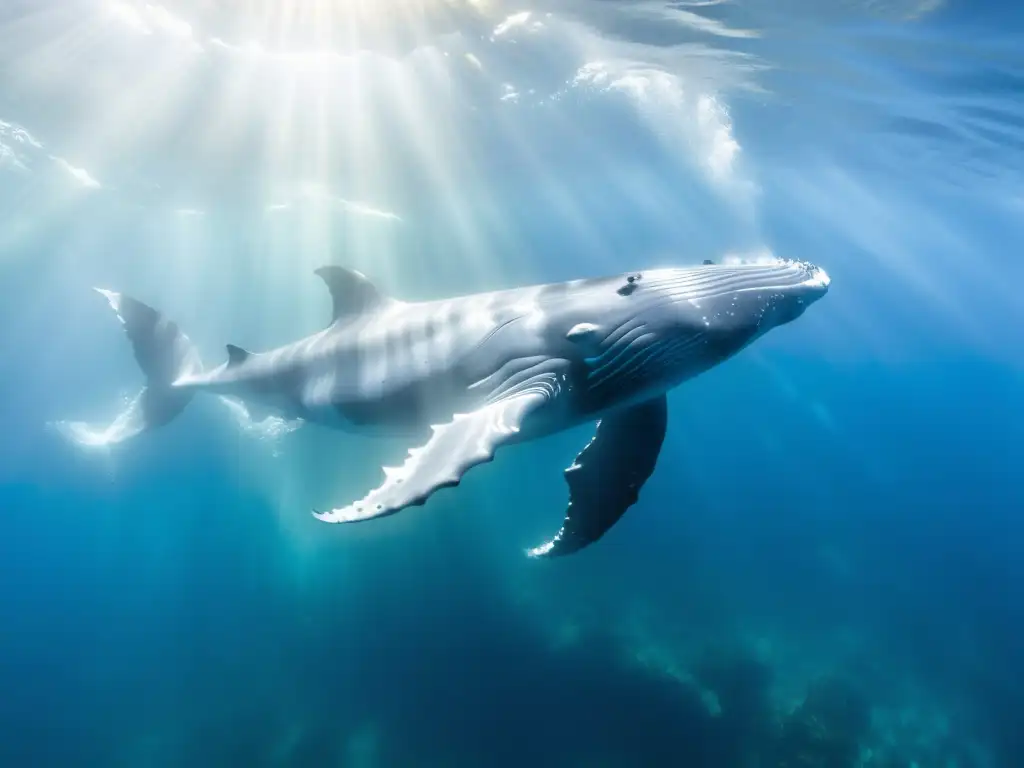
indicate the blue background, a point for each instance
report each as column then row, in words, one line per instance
column 840, row 501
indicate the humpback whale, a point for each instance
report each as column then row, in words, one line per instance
column 465, row 376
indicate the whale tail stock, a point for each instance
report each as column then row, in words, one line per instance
column 164, row 354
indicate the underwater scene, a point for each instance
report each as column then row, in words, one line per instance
column 487, row 384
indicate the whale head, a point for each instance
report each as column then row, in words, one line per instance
column 664, row 326
column 730, row 304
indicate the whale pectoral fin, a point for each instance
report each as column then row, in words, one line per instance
column 606, row 478
column 468, row 440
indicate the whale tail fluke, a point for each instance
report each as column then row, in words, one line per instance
column 165, row 355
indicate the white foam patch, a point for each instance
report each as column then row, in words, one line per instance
column 677, row 13
column 318, row 193
column 82, row 176
column 127, row 424
column 517, row 21
column 362, row 209
column 98, row 442
column 16, row 146
column 763, row 256
column 270, row 429
column 689, row 121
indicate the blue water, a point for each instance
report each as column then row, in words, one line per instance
column 825, row 568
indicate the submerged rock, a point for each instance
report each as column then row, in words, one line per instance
column 826, row 730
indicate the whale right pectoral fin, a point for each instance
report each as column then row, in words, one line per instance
column 456, row 447
column 606, row 478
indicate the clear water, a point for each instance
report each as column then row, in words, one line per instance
column 825, row 569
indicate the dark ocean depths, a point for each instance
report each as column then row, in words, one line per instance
column 827, row 567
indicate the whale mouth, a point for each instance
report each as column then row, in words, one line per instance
column 817, row 278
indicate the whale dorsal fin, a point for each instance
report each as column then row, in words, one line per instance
column 237, row 355
column 351, row 291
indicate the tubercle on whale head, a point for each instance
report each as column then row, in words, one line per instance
column 669, row 324
column 753, row 299
column 736, row 293
column 747, row 274
column 702, row 314
column 657, row 328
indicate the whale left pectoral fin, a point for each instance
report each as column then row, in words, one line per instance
column 468, row 440
column 606, row 478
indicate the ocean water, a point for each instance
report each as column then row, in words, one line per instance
column 825, row 570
